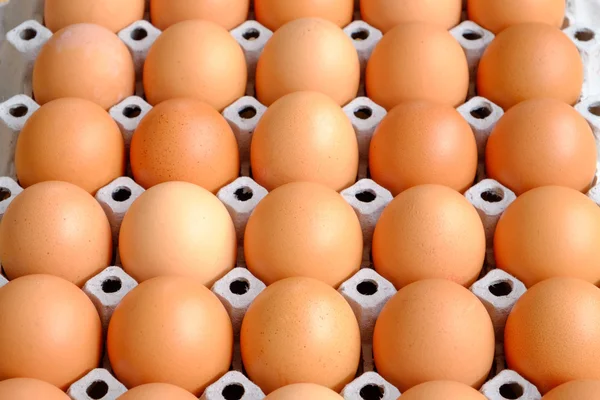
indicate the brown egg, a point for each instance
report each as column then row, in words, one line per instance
column 55, row 228
column 112, row 14
column 530, row 60
column 197, row 59
column 86, row 61
column 184, row 140
column 552, row 333
column 157, row 391
column 496, row 16
column 226, row 13
column 300, row 330
column 51, row 331
column 549, row 231
column 27, row 388
column 303, row 229
column 303, row 391
column 177, row 228
column 304, row 136
column 308, row 54
column 432, row 330
column 447, row 390
column 542, row 142
column 417, row 61
column 72, row 140
column 575, row 390
column 172, row 330
column 275, row 13
column 429, row 231
column 387, row 14
column 421, row 142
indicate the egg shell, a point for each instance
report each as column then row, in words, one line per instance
column 579, row 389
column 157, row 391
column 302, row 391
column 274, row 13
column 27, row 388
column 551, row 334
column 226, row 13
column 448, row 390
column 387, row 14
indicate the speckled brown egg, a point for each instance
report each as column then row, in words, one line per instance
column 447, row 390
column 527, row 61
column 55, row 228
column 27, row 388
column 86, row 61
column 72, row 140
column 275, row 13
column 542, row 142
column 580, row 389
column 171, row 330
column 197, row 59
column 157, row 391
column 417, row 61
column 496, row 16
column 51, row 332
column 112, row 14
column 300, row 330
column 304, row 136
column 433, row 329
column 177, row 228
column 387, row 14
column 302, row 391
column 420, row 142
column 429, row 231
column 300, row 228
column 551, row 335
column 308, row 54
column 226, row 13
column 184, row 140
column 549, row 231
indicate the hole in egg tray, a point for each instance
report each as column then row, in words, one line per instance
column 239, row 287
column 139, row 34
column 121, row 194
column 4, row 193
column 18, row 111
column 500, row 289
column 244, row 193
column 234, row 391
column 247, row 112
column 492, row 196
column 367, row 288
column 371, row 392
column 251, row 34
column 132, row 111
column 363, row 113
column 366, row 196
column 360, row 34
column 594, row 109
column 97, row 390
column 28, row 34
column 112, row 285
column 511, row 391
column 472, row 35
column 584, row 35
column 481, row 112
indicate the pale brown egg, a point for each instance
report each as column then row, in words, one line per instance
column 575, row 390
column 308, row 54
column 157, row 391
column 300, row 330
column 387, row 14
column 447, row 390
column 303, row 229
column 27, row 388
column 184, row 140
column 226, row 13
column 429, row 231
column 417, row 61
column 171, row 330
column 112, row 14
column 72, row 140
column 197, row 59
column 303, row 391
column 55, row 228
column 177, row 228
column 527, row 61
column 86, row 61
column 51, row 331
column 420, row 142
column 496, row 16
column 549, row 231
column 542, row 142
column 275, row 13
column 304, row 136
column 552, row 333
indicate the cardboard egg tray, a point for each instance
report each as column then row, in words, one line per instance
column 366, row 292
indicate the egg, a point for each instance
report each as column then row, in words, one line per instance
column 184, row 140
column 171, row 330
column 275, row 13
column 447, row 390
column 575, row 390
column 197, row 59
column 304, row 136
column 429, row 231
column 496, row 16
column 86, row 61
column 303, row 229
column 387, row 14
column 226, row 13
column 530, row 60
column 72, row 140
column 308, row 54
column 417, row 61
column 55, row 228
column 27, row 388
column 420, row 142
column 177, row 228
column 157, row 391
column 302, row 391
column 542, row 142
column 547, row 232
column 300, row 330
column 551, row 335
column 112, row 14
column 51, row 331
